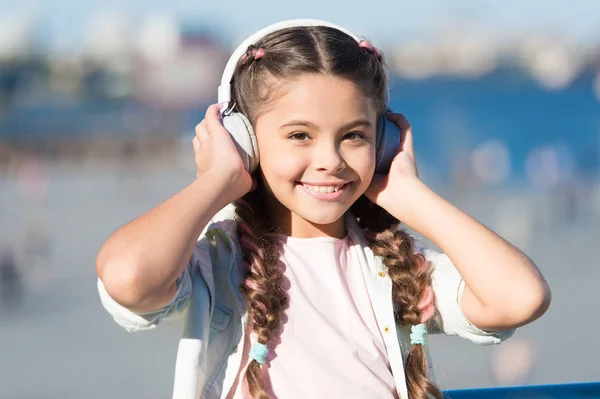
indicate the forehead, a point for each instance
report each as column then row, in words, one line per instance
column 319, row 98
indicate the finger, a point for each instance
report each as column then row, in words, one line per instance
column 405, row 130
column 201, row 130
column 399, row 119
column 213, row 118
column 407, row 140
column 196, row 144
column 213, row 111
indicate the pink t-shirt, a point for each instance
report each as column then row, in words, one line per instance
column 330, row 345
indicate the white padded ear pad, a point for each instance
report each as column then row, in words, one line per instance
column 243, row 136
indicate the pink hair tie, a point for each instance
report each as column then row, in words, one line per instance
column 258, row 53
column 427, row 305
column 367, row 44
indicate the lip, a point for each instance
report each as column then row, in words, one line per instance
column 325, row 196
column 338, row 183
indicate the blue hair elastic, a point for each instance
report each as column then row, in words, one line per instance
column 417, row 335
column 259, row 352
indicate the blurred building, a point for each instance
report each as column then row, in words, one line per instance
column 127, row 92
column 135, row 88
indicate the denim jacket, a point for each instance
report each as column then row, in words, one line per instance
column 212, row 313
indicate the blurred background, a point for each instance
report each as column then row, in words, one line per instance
column 98, row 101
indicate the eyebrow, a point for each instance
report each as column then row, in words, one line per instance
column 347, row 126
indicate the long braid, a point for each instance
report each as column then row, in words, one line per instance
column 263, row 286
column 411, row 287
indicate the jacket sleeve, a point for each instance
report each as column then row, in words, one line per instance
column 448, row 286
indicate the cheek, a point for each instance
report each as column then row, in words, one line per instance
column 362, row 161
column 278, row 163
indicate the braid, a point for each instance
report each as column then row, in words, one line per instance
column 411, row 286
column 263, row 286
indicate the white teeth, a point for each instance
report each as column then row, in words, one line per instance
column 323, row 189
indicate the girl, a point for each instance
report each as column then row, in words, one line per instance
column 301, row 283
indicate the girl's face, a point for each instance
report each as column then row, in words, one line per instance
column 317, row 153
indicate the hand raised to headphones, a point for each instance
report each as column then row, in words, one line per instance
column 215, row 152
column 385, row 188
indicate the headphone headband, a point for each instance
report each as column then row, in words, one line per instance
column 224, row 91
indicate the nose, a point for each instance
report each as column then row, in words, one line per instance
column 328, row 158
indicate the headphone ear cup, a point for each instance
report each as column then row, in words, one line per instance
column 242, row 132
column 387, row 144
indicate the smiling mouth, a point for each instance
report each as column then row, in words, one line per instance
column 325, row 192
column 324, row 188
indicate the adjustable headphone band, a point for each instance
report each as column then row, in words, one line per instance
column 224, row 91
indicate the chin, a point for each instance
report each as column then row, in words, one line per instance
column 323, row 218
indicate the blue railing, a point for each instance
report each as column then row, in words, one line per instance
column 586, row 390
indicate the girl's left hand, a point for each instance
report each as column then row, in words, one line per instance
column 385, row 189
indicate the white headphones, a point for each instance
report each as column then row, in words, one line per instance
column 238, row 125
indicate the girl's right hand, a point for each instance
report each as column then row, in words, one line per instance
column 215, row 152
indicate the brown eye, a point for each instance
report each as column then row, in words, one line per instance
column 354, row 136
column 299, row 136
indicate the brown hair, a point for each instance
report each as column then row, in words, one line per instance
column 289, row 53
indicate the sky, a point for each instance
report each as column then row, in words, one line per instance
column 65, row 21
